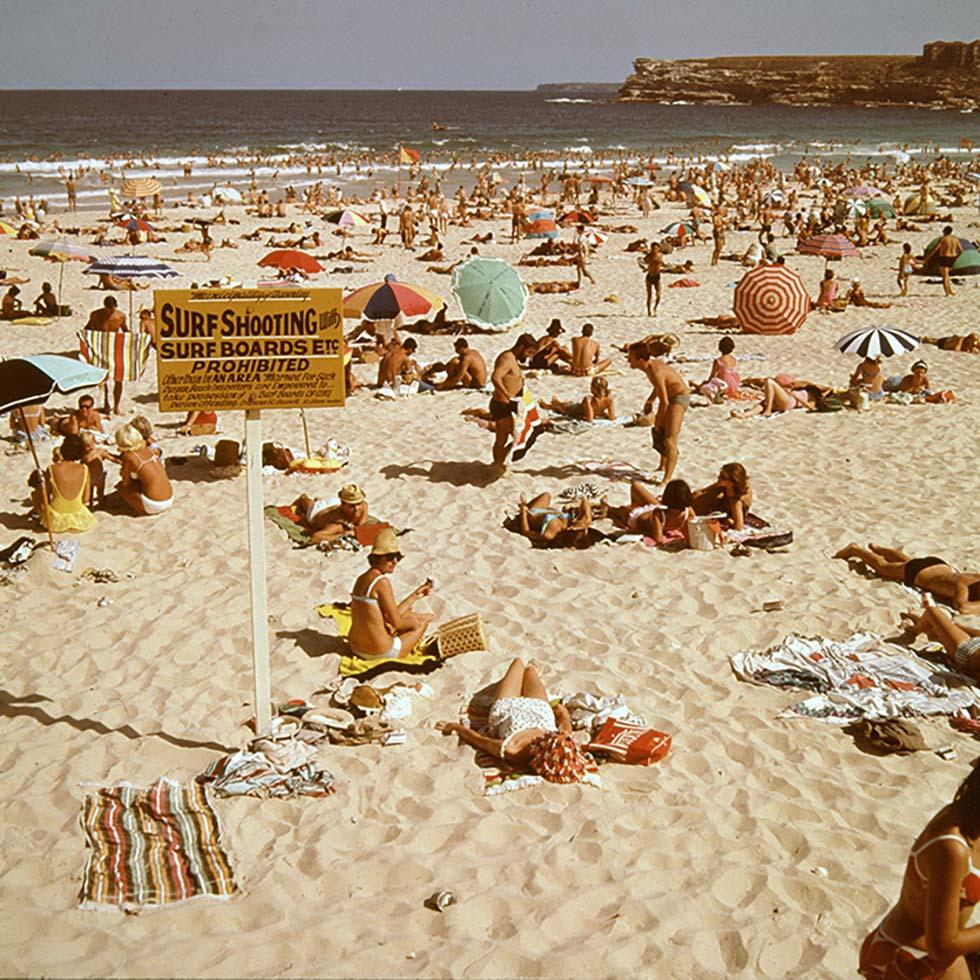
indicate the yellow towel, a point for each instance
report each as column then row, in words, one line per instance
column 352, row 665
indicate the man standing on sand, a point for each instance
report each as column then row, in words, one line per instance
column 949, row 250
column 673, row 396
column 581, row 265
column 109, row 319
column 72, row 194
column 508, row 386
column 718, row 228
column 653, row 265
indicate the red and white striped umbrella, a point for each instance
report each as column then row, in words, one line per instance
column 828, row 246
column 771, row 299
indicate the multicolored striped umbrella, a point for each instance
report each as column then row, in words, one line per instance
column 7, row 229
column 387, row 299
column 877, row 342
column 346, row 218
column 828, row 246
column 490, row 293
column 864, row 192
column 140, row 187
column 771, row 299
column 594, row 238
column 542, row 228
column 291, row 258
column 917, row 204
column 131, row 267
column 698, row 195
column 675, row 226
column 62, row 252
column 135, row 224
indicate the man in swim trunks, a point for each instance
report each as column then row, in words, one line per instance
column 949, row 250
column 330, row 521
column 961, row 590
column 653, row 265
column 585, row 354
column 508, row 386
column 467, row 369
column 673, row 396
column 109, row 319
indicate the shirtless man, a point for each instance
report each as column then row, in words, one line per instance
column 328, row 523
column 47, row 303
column 10, row 308
column 85, row 417
column 581, row 265
column 548, row 351
column 949, row 250
column 653, row 265
column 508, row 386
column 467, row 369
column 718, row 228
column 397, row 358
column 672, row 394
column 961, row 590
column 109, row 319
column 585, row 354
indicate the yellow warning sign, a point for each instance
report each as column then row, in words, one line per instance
column 221, row 349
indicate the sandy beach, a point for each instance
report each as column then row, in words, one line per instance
column 759, row 847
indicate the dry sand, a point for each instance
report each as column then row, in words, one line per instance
column 700, row 866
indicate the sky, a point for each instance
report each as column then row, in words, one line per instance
column 433, row 44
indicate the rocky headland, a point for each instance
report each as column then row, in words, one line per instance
column 946, row 75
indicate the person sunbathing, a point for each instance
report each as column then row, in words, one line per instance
column 868, row 376
column 961, row 590
column 924, row 934
column 380, row 625
column 662, row 518
column 32, row 421
column 63, row 499
column 782, row 395
column 541, row 524
column 467, row 369
column 731, row 493
column 143, row 485
column 915, row 383
column 966, row 343
column 724, row 379
column 962, row 643
column 856, row 297
column 523, row 729
column 598, row 404
column 329, row 520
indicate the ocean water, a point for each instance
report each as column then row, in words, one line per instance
column 228, row 135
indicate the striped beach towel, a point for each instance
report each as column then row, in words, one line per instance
column 152, row 847
column 123, row 355
column 526, row 427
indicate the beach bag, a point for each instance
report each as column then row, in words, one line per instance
column 629, row 743
column 366, row 534
column 704, row 533
column 463, row 635
column 830, row 404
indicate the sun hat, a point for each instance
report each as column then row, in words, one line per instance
column 557, row 757
column 129, row 439
column 386, row 543
column 920, row 364
column 351, row 493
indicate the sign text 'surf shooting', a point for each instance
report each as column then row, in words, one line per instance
column 249, row 348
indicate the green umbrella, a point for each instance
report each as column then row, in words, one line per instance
column 879, row 207
column 490, row 293
column 916, row 204
column 967, row 262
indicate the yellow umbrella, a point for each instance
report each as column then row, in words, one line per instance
column 140, row 187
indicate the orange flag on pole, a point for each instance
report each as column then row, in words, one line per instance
column 407, row 155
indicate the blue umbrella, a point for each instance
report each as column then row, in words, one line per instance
column 131, row 267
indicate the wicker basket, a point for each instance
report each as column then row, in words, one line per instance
column 463, row 635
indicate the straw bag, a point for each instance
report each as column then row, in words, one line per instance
column 463, row 635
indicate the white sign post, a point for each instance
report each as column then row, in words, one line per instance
column 251, row 349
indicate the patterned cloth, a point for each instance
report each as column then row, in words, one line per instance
column 152, row 847
column 860, row 677
column 123, row 355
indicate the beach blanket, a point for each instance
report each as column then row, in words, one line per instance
column 423, row 659
column 862, row 677
column 298, row 531
column 32, row 321
column 498, row 776
column 152, row 847
column 253, row 773
column 527, row 426
column 123, row 355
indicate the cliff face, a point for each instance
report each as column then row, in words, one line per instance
column 947, row 75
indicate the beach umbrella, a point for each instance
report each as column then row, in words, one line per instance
column 346, row 218
column 880, row 207
column 7, row 229
column 856, row 208
column 877, row 342
column 62, row 252
column 291, row 258
column 967, row 262
column 771, row 299
column 32, row 380
column 773, row 197
column 490, row 293
column 600, row 179
column 973, row 176
column 864, row 192
column 541, row 228
column 227, row 195
column 698, row 195
column 577, row 218
column 541, row 214
column 917, row 204
column 594, row 238
column 135, row 224
column 387, row 299
column 675, row 226
column 131, row 267
column 140, row 187
column 829, row 246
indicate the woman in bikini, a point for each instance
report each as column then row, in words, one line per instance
column 524, row 729
column 598, row 404
column 143, row 484
column 731, row 492
column 542, row 524
column 925, row 935
column 961, row 590
column 781, row 394
column 381, row 626
column 662, row 518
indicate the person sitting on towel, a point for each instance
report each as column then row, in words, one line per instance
column 382, row 627
column 330, row 520
column 143, row 485
column 731, row 492
column 524, row 729
column 598, row 404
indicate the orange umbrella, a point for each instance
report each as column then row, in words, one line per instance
column 291, row 258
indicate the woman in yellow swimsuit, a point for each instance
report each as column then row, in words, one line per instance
column 68, row 491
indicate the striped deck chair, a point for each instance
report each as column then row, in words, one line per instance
column 123, row 355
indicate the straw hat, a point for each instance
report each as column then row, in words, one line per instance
column 128, row 439
column 386, row 543
column 352, row 494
